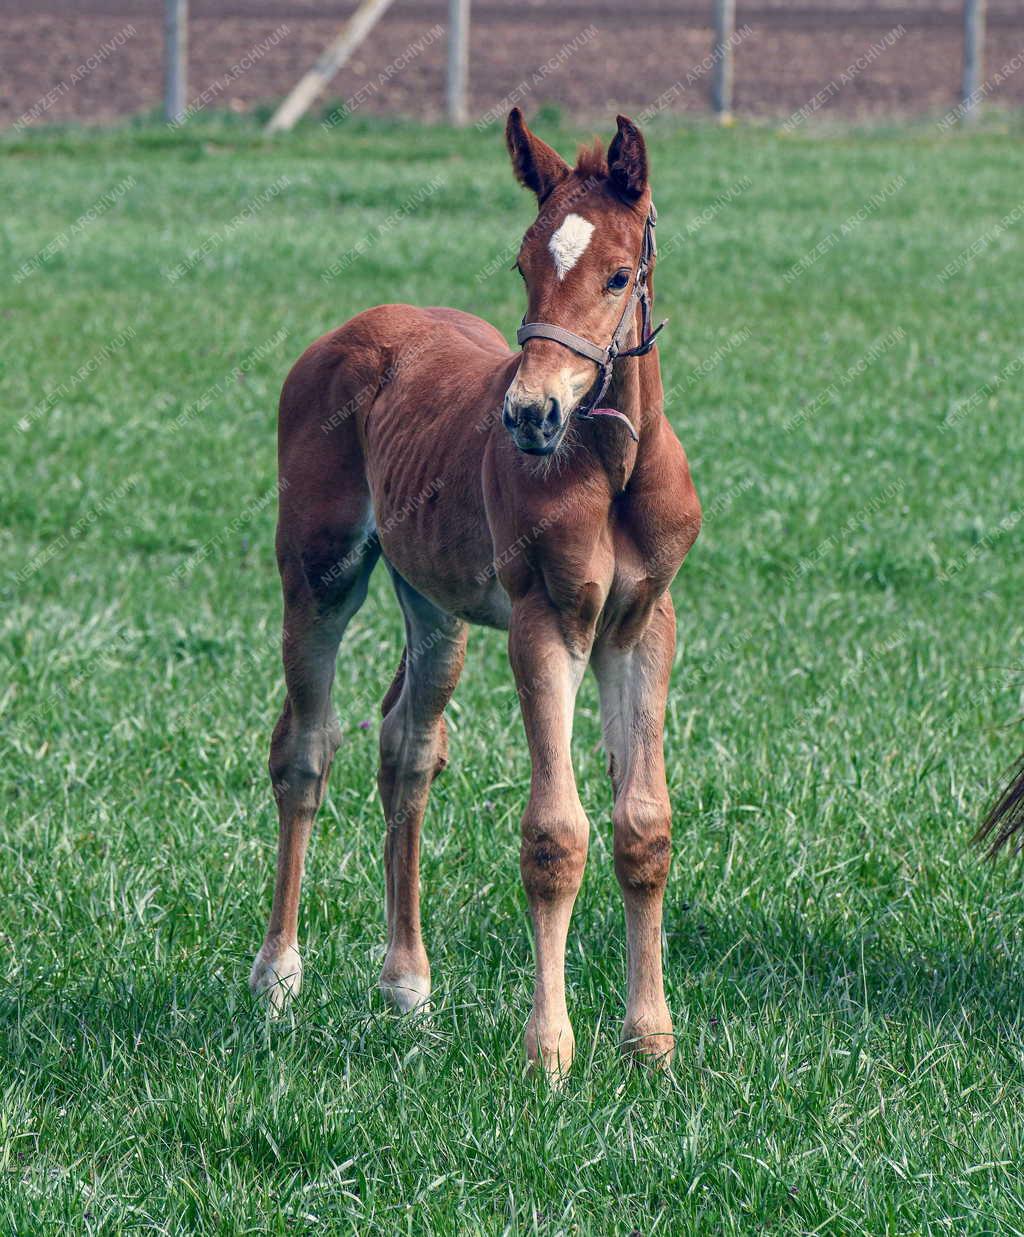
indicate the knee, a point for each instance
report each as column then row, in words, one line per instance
column 643, row 845
column 300, row 758
column 415, row 751
column 552, row 856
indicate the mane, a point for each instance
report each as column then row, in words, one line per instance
column 590, row 160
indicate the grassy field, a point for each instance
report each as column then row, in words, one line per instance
column 844, row 971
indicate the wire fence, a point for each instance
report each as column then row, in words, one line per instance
column 101, row 60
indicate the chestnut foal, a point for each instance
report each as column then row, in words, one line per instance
column 498, row 494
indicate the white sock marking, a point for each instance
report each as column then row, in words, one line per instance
column 568, row 243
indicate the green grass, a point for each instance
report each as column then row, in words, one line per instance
column 844, row 972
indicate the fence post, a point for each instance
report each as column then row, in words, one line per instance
column 311, row 85
column 974, row 56
column 721, row 79
column 175, row 58
column 458, row 61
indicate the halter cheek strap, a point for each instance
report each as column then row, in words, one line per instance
column 605, row 358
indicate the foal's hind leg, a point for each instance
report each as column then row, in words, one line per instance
column 633, row 685
column 323, row 588
column 413, row 750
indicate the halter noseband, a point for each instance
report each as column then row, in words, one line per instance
column 606, row 357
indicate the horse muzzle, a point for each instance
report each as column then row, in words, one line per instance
column 536, row 422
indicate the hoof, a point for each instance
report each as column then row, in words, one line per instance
column 276, row 978
column 407, row 993
column 650, row 1040
column 550, row 1054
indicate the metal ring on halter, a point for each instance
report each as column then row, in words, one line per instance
column 605, row 357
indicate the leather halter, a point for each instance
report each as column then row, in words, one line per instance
column 606, row 357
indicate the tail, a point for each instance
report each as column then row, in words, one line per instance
column 1005, row 820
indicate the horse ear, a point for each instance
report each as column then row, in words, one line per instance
column 627, row 160
column 536, row 165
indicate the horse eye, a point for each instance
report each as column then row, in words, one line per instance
column 619, row 280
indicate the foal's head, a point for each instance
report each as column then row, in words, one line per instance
column 579, row 260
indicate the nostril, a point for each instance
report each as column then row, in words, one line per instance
column 553, row 417
column 507, row 418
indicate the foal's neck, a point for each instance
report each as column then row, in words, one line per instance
column 636, row 391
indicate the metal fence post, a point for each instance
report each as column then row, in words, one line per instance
column 974, row 56
column 175, row 58
column 458, row 61
column 721, row 78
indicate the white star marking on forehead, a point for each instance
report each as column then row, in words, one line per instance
column 568, row 242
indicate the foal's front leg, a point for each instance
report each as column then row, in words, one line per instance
column 633, row 683
column 548, row 668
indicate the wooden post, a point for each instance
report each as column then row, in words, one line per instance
column 721, row 79
column 175, row 58
column 305, row 91
column 974, row 56
column 458, row 61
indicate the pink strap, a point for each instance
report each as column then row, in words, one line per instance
column 619, row 416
